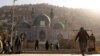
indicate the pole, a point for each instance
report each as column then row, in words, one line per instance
column 12, row 28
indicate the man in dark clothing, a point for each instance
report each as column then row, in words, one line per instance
column 47, row 45
column 18, row 44
column 82, row 36
column 22, row 37
column 36, row 44
column 93, row 38
column 57, row 46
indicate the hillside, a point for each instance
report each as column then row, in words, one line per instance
column 72, row 18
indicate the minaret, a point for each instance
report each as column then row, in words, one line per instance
column 51, row 14
column 32, row 12
column 52, row 17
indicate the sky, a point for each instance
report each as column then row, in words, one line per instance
column 87, row 4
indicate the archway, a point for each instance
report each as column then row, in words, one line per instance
column 60, row 40
column 42, row 36
column 59, row 36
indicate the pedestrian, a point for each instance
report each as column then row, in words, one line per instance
column 57, row 46
column 47, row 45
column 8, row 39
column 18, row 44
column 1, row 44
column 36, row 44
column 91, row 43
column 51, row 46
column 82, row 37
column 22, row 36
column 8, row 42
column 7, row 48
column 4, row 45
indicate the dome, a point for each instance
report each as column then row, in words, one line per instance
column 58, row 26
column 24, row 24
column 42, row 19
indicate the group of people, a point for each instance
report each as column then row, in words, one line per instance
column 86, row 42
column 6, row 43
column 47, row 45
column 11, row 47
column 83, row 37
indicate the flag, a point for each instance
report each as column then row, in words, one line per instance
column 14, row 1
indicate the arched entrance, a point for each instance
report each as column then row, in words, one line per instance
column 42, row 36
column 61, row 40
column 59, row 36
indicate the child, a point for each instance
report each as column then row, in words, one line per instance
column 91, row 43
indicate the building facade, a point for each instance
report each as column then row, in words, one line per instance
column 43, row 28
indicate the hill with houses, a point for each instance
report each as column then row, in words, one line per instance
column 72, row 18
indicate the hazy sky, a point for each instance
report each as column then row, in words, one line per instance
column 88, row 4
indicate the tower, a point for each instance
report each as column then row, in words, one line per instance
column 52, row 17
column 51, row 14
column 32, row 12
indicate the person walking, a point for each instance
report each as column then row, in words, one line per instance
column 8, row 42
column 91, row 43
column 18, row 44
column 22, row 37
column 4, row 45
column 1, row 45
column 57, row 46
column 82, row 37
column 47, row 45
column 36, row 44
column 51, row 46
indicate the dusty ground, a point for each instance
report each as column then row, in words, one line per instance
column 49, row 55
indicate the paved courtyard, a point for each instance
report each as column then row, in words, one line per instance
column 60, row 51
column 48, row 55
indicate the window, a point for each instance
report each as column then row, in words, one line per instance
column 42, row 23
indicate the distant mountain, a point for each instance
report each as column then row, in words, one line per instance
column 72, row 18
